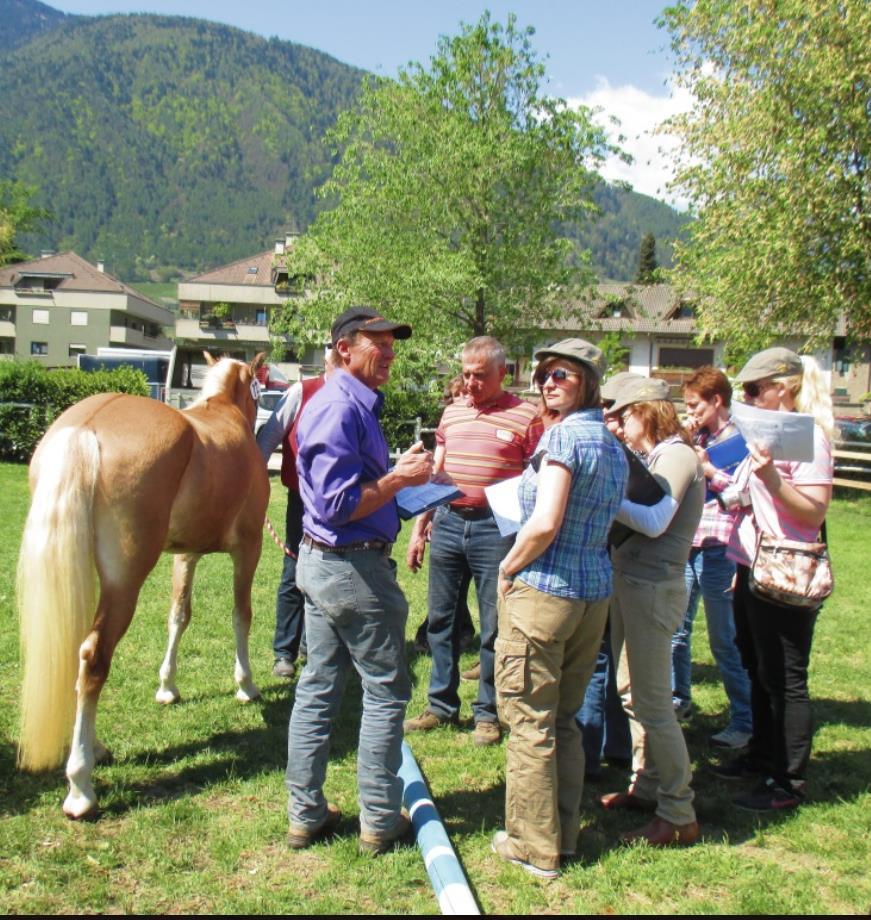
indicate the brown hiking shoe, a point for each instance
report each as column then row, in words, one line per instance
column 299, row 836
column 487, row 733
column 425, row 722
column 473, row 673
column 376, row 844
column 662, row 833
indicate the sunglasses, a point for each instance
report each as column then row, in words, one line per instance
column 558, row 375
column 753, row 390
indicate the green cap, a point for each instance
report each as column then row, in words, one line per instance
column 640, row 389
column 578, row 350
column 773, row 362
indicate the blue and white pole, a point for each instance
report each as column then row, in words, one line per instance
column 445, row 873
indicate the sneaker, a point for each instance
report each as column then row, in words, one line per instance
column 299, row 836
column 473, row 673
column 487, row 733
column 740, row 767
column 499, row 844
column 683, row 710
column 732, row 738
column 769, row 796
column 376, row 844
column 285, row 668
column 426, row 721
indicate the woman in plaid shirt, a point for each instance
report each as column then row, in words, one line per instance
column 554, row 587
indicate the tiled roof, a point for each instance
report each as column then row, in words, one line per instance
column 81, row 275
column 645, row 308
column 241, row 272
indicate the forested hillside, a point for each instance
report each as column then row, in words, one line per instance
column 164, row 143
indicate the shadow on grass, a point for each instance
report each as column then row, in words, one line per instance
column 241, row 754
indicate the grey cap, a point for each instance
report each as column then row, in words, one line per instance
column 773, row 362
column 640, row 389
column 611, row 387
column 578, row 350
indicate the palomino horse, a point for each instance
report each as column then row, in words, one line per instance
column 117, row 480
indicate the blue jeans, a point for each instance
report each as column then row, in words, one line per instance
column 710, row 574
column 355, row 617
column 601, row 716
column 289, row 602
column 459, row 546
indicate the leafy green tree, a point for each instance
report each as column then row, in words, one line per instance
column 647, row 264
column 775, row 158
column 17, row 216
column 448, row 192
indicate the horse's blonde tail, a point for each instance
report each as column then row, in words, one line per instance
column 56, row 592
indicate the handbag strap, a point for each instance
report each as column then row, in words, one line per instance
column 823, row 532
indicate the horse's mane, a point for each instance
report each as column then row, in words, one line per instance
column 217, row 381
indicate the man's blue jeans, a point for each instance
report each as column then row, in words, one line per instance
column 355, row 617
column 458, row 546
column 709, row 574
column 289, row 602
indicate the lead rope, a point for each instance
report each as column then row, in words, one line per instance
column 278, row 541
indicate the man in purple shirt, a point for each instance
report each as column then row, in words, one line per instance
column 354, row 609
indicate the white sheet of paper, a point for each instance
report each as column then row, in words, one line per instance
column 787, row 435
column 505, row 504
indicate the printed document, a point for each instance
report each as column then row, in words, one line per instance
column 787, row 435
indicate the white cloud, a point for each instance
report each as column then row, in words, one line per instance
column 639, row 112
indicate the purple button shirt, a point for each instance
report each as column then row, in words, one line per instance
column 341, row 446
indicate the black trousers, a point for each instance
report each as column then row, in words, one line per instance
column 775, row 646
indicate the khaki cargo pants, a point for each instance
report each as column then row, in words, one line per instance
column 545, row 655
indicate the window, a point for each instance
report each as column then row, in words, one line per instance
column 685, row 357
column 40, row 317
column 77, row 350
column 260, row 316
column 39, row 348
column 79, row 318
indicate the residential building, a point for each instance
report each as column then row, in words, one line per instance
column 60, row 306
column 227, row 309
column 658, row 328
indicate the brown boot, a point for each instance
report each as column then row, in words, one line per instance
column 662, row 833
column 473, row 673
column 626, row 801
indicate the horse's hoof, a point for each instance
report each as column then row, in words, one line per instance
column 167, row 697
column 247, row 695
column 80, row 807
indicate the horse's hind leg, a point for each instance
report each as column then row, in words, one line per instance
column 114, row 612
column 183, row 568
column 245, row 559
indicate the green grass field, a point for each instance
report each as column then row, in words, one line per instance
column 193, row 806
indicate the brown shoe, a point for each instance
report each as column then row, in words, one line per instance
column 487, row 733
column 299, row 836
column 473, row 673
column 625, row 801
column 662, row 833
column 376, row 844
column 425, row 722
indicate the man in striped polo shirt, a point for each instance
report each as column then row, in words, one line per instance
column 481, row 440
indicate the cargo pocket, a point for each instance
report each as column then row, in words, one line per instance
column 512, row 669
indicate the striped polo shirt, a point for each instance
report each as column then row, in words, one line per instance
column 486, row 444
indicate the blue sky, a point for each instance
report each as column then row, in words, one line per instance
column 609, row 54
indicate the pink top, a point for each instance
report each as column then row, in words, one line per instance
column 767, row 514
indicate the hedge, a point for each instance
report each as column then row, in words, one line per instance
column 31, row 398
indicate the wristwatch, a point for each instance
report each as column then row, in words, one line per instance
column 505, row 575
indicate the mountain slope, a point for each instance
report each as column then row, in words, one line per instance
column 162, row 142
column 170, row 140
column 23, row 20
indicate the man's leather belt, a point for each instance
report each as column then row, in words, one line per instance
column 471, row 514
column 357, row 547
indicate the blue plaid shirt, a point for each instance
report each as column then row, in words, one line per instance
column 577, row 563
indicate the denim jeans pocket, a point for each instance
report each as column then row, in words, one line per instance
column 332, row 589
column 512, row 667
